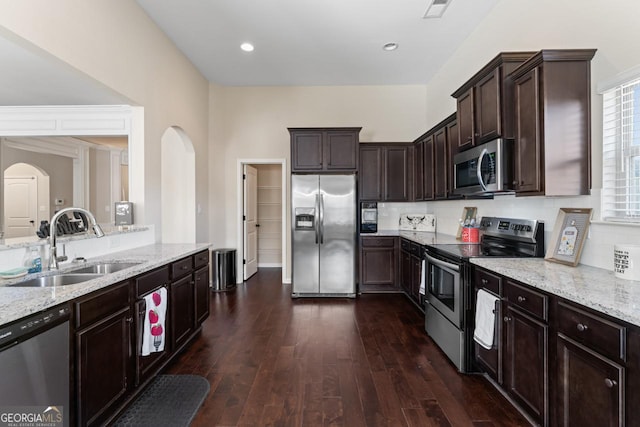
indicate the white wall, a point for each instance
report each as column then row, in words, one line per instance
column 251, row 123
column 117, row 44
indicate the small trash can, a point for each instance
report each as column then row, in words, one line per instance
column 224, row 269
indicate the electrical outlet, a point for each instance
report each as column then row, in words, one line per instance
column 59, row 202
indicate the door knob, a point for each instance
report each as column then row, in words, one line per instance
column 610, row 383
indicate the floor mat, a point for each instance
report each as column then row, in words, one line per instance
column 170, row 400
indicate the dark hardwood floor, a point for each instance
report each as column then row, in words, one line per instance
column 272, row 360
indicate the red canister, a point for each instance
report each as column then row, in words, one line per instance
column 470, row 234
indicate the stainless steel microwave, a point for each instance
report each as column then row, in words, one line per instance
column 487, row 168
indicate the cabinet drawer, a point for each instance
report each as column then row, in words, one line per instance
column 152, row 280
column 604, row 336
column 489, row 281
column 201, row 259
column 378, row 242
column 405, row 245
column 101, row 304
column 527, row 299
column 416, row 249
column 181, row 268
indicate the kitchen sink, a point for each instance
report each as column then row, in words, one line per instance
column 104, row 268
column 57, row 280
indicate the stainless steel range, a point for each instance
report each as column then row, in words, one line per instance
column 449, row 307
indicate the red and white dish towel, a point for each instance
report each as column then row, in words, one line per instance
column 153, row 335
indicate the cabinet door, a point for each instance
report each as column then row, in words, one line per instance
column 378, row 268
column 405, row 267
column 146, row 366
column 396, row 179
column 440, row 164
column 416, row 264
column 202, row 294
column 526, row 363
column 370, row 173
column 466, row 120
column 428, row 168
column 528, row 168
column 181, row 303
column 418, row 177
column 452, row 150
column 488, row 118
column 306, row 151
column 103, row 366
column 590, row 387
column 341, row 150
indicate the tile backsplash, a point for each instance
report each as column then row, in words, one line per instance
column 598, row 248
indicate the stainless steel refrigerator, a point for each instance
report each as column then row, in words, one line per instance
column 323, row 235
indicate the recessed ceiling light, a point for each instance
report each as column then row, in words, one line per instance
column 390, row 46
column 247, row 47
column 436, row 8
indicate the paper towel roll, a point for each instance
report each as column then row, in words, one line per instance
column 626, row 261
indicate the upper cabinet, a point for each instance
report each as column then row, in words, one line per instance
column 552, row 93
column 433, row 169
column 324, row 149
column 385, row 172
column 484, row 102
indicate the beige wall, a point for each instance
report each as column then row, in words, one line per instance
column 115, row 43
column 251, row 123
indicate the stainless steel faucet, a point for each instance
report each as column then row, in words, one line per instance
column 53, row 228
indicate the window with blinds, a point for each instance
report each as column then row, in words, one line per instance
column 621, row 152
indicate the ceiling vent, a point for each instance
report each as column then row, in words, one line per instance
column 436, row 8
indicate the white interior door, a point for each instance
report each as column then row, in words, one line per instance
column 20, row 206
column 250, row 216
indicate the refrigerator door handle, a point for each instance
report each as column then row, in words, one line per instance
column 321, row 218
column 315, row 218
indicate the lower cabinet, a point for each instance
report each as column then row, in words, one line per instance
column 378, row 259
column 411, row 255
column 108, row 367
column 103, row 353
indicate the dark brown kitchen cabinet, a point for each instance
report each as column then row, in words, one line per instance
column 104, row 353
column 526, row 353
column 386, row 172
column 591, row 357
column 490, row 360
column 181, row 302
column 419, row 171
column 411, row 255
column 324, row 149
column 202, row 294
column 378, row 264
column 552, row 94
column 452, row 150
column 428, row 168
column 484, row 102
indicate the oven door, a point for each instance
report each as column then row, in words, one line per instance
column 444, row 291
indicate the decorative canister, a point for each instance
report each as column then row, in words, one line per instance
column 626, row 261
column 470, row 234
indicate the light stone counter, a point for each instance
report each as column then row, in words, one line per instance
column 17, row 302
column 591, row 287
column 420, row 237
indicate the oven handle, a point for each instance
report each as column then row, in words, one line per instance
column 479, row 169
column 442, row 264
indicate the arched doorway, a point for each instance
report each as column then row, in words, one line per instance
column 178, row 187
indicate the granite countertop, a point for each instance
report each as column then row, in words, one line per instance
column 591, row 287
column 420, row 237
column 17, row 302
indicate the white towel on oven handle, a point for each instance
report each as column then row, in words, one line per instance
column 148, row 345
column 423, row 283
column 485, row 318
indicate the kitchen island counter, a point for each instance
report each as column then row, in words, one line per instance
column 591, row 287
column 17, row 302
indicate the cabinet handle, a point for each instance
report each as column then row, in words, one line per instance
column 507, row 319
column 521, row 298
column 184, row 267
column 610, row 383
column 129, row 320
column 581, row 327
column 484, row 281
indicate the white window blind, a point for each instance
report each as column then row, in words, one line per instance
column 621, row 152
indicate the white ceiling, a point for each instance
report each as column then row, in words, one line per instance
column 315, row 42
column 298, row 42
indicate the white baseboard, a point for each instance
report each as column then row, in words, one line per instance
column 270, row 264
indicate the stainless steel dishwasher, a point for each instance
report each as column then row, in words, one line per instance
column 34, row 367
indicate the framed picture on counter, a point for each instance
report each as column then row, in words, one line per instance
column 569, row 235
